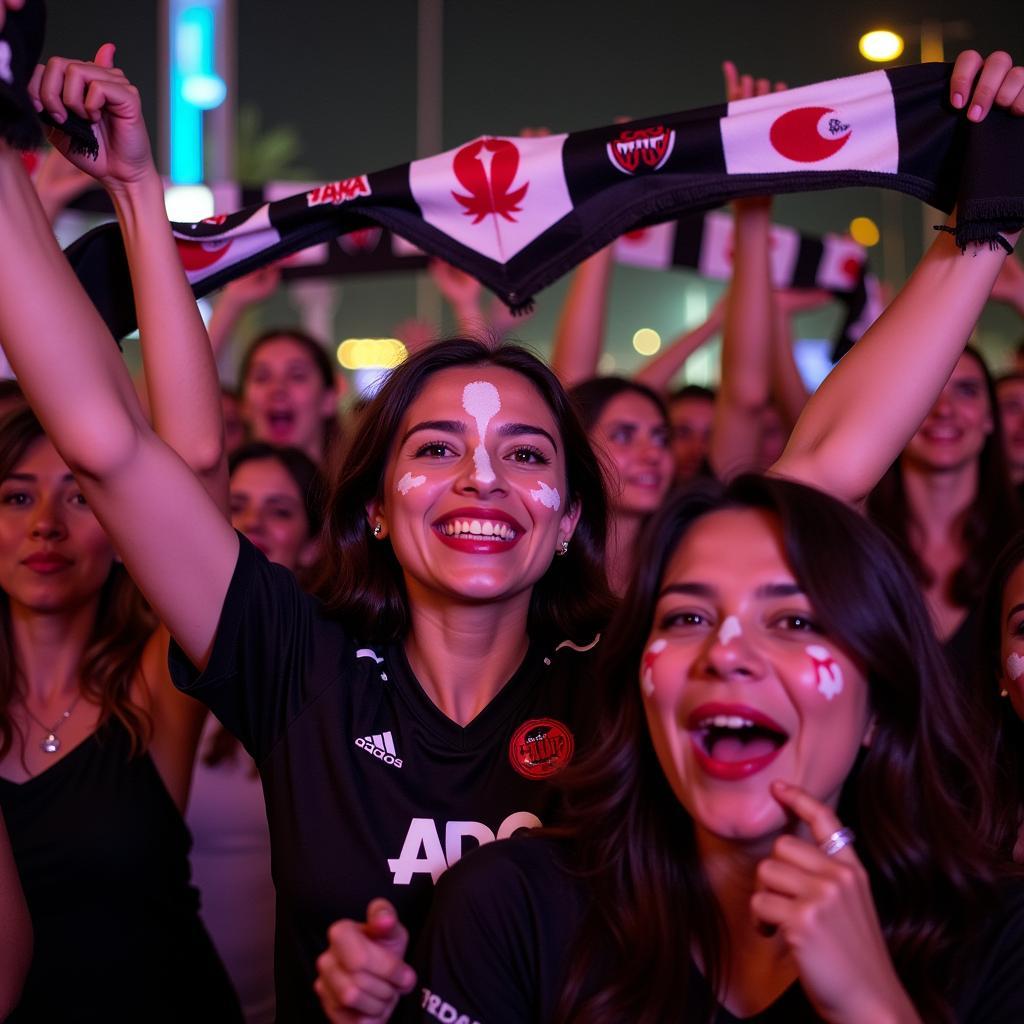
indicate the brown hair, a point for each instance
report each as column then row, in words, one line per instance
column 362, row 580
column 918, row 797
column 122, row 627
column 987, row 524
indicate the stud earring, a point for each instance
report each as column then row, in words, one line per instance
column 378, row 530
column 1004, row 693
column 563, row 548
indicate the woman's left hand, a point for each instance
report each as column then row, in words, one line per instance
column 823, row 909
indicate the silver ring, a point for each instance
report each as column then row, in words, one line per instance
column 839, row 839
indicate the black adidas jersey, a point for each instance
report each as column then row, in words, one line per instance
column 370, row 789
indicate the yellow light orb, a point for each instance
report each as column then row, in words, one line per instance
column 646, row 341
column 365, row 353
column 864, row 231
column 880, row 45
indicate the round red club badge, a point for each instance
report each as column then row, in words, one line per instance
column 541, row 747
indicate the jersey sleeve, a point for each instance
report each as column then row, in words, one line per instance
column 261, row 669
column 478, row 958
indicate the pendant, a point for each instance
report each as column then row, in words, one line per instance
column 51, row 744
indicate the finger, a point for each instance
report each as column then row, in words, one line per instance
column 774, row 875
column 51, row 88
column 747, row 86
column 1011, row 87
column 33, row 87
column 105, row 55
column 332, row 1010
column 992, row 75
column 768, row 908
column 353, row 992
column 381, row 916
column 118, row 97
column 732, row 79
column 356, row 952
column 801, row 855
column 781, row 87
column 965, row 70
column 819, row 818
column 1017, row 106
column 763, row 87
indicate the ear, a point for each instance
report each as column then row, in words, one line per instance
column 567, row 526
column 375, row 515
column 309, row 552
column 869, row 732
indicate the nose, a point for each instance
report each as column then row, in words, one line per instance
column 728, row 655
column 48, row 523
column 480, row 474
column 250, row 522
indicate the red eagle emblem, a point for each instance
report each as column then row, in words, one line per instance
column 641, row 149
column 486, row 169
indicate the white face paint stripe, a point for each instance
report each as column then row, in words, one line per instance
column 647, row 668
column 547, row 496
column 1015, row 666
column 729, row 630
column 481, row 400
column 829, row 672
column 408, row 482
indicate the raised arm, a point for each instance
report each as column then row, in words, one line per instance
column 788, row 389
column 173, row 539
column 658, row 372
column 745, row 387
column 181, row 382
column 579, row 336
column 868, row 408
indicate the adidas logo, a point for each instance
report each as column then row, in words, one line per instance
column 381, row 747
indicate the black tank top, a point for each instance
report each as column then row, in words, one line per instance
column 103, row 856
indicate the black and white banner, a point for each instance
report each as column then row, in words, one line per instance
column 518, row 213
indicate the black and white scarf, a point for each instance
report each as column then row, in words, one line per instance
column 518, row 213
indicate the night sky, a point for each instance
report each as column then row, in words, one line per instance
column 343, row 75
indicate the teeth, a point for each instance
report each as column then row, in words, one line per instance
column 477, row 528
column 727, row 722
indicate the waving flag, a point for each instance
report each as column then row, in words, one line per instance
column 519, row 213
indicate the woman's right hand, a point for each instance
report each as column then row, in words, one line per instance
column 100, row 93
column 362, row 975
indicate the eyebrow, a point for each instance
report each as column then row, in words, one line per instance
column 766, row 590
column 1013, row 611
column 31, row 478
column 459, row 427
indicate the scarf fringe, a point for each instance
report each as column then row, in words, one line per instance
column 78, row 131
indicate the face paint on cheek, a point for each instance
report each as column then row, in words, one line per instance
column 827, row 669
column 546, row 496
column 730, row 629
column 481, row 400
column 647, row 666
column 408, row 482
column 1015, row 666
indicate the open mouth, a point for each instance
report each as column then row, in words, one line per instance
column 280, row 422
column 649, row 480
column 733, row 742
column 480, row 531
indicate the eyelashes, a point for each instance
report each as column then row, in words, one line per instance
column 438, row 449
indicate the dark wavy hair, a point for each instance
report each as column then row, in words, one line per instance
column 123, row 624
column 362, row 580
column 988, row 523
column 917, row 797
column 592, row 395
column 1002, row 731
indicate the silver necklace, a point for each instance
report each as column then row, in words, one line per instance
column 51, row 744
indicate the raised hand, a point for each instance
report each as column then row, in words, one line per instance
column 100, row 93
column 1000, row 83
column 361, row 975
column 823, row 910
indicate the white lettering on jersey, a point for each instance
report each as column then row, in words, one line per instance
column 444, row 1012
column 380, row 746
column 422, row 853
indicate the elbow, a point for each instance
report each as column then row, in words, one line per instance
column 205, row 458
column 103, row 447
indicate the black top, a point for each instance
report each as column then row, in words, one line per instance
column 494, row 949
column 370, row 789
column 102, row 852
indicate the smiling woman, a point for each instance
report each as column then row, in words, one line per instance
column 774, row 692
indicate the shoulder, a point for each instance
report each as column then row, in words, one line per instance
column 516, row 876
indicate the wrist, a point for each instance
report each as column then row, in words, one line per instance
column 138, row 195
